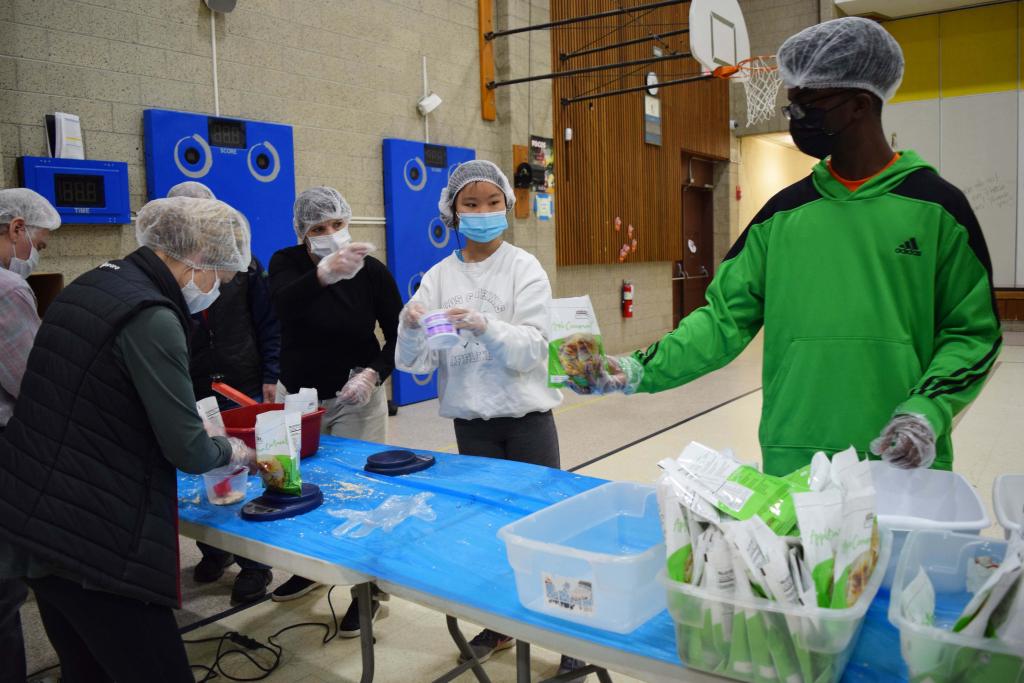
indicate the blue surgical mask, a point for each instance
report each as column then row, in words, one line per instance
column 483, row 227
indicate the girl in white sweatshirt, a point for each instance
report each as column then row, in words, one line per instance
column 494, row 383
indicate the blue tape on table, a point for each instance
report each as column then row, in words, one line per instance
column 458, row 556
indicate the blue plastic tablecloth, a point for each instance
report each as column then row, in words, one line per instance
column 459, row 557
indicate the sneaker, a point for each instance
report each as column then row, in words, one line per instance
column 212, row 567
column 251, row 585
column 293, row 588
column 349, row 627
column 570, row 664
column 486, row 643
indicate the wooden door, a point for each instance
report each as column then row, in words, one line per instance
column 693, row 273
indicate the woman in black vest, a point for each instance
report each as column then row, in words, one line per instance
column 330, row 295
column 88, row 488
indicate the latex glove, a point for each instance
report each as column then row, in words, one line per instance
column 269, row 393
column 615, row 374
column 464, row 319
column 359, row 387
column 343, row 264
column 411, row 314
column 908, row 441
column 392, row 512
column 242, row 455
column 214, row 429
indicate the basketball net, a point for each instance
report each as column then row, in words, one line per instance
column 760, row 78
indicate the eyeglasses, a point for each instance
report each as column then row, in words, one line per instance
column 798, row 110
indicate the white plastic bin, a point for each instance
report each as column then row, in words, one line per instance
column 934, row 652
column 924, row 499
column 800, row 644
column 1008, row 502
column 592, row 558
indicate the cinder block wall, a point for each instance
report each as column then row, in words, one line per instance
column 345, row 74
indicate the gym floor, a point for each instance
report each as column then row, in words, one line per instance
column 614, row 437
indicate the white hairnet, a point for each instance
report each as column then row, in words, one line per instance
column 191, row 188
column 472, row 172
column 851, row 52
column 316, row 205
column 21, row 202
column 203, row 233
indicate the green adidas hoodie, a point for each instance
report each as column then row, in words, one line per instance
column 873, row 303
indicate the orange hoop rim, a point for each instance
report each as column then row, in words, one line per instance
column 746, row 66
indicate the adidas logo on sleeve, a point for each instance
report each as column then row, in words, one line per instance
column 909, row 248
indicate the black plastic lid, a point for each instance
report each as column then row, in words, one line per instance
column 396, row 463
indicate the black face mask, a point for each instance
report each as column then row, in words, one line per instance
column 810, row 135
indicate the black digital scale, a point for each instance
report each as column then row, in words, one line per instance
column 276, row 505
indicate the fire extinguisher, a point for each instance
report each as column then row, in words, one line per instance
column 627, row 299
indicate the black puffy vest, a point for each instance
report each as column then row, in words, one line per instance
column 83, row 484
column 224, row 341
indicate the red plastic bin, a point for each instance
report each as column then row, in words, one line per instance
column 241, row 423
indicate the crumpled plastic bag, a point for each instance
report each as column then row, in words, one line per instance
column 386, row 516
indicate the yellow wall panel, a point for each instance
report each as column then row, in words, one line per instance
column 979, row 50
column 919, row 38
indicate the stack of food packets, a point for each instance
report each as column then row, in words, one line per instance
column 279, row 440
column 994, row 611
column 806, row 541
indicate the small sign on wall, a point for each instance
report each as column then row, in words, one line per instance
column 652, row 120
column 544, row 206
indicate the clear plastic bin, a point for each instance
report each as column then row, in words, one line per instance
column 226, row 485
column 924, row 499
column 592, row 558
column 935, row 653
column 793, row 644
column 1008, row 502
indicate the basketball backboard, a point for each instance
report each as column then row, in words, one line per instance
column 718, row 33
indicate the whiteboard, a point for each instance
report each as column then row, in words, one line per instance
column 916, row 126
column 980, row 152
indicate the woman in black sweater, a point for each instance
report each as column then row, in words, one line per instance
column 329, row 296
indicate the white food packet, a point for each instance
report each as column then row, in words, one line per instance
column 974, row 619
column 209, row 410
column 979, row 571
column 821, row 467
column 849, row 473
column 819, row 517
column 575, row 347
column 917, row 603
column 690, row 492
column 856, row 548
column 676, row 526
column 766, row 558
column 277, row 454
column 306, row 401
column 1008, row 618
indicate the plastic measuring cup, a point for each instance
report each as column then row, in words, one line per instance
column 226, row 485
column 441, row 332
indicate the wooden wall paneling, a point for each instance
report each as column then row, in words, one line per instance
column 606, row 170
column 485, row 19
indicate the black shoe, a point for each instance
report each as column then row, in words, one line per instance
column 392, row 409
column 486, row 643
column 349, row 627
column 293, row 588
column 250, row 585
column 212, row 567
column 570, row 664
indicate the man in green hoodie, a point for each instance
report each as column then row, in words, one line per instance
column 875, row 294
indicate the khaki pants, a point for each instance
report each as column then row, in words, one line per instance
column 366, row 423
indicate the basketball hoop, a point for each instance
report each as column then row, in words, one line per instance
column 760, row 78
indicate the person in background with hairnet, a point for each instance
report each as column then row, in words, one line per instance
column 330, row 296
column 23, row 213
column 238, row 340
column 88, row 488
column 878, row 308
column 494, row 383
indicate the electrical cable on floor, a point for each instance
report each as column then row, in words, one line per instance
column 251, row 645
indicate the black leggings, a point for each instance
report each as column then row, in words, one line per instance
column 531, row 438
column 105, row 637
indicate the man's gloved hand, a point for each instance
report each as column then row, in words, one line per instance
column 411, row 314
column 242, row 455
column 464, row 319
column 359, row 388
column 908, row 441
column 343, row 264
column 614, row 374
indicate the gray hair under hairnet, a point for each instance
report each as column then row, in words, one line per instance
column 471, row 172
column 29, row 205
column 203, row 233
column 191, row 188
column 851, row 52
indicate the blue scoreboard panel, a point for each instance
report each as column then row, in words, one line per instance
column 82, row 190
column 248, row 164
column 414, row 175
